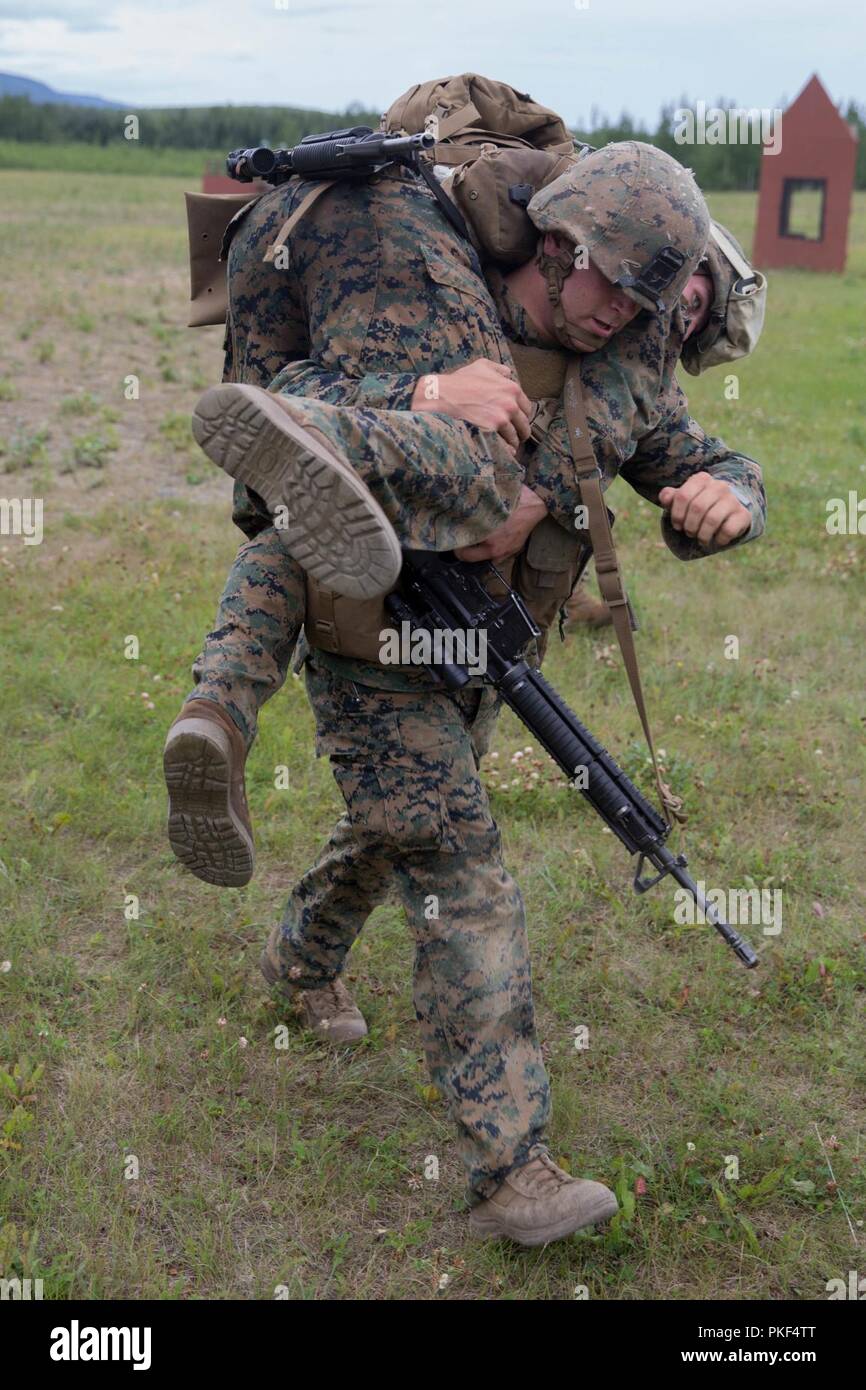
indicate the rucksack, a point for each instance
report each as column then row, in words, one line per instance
column 470, row 111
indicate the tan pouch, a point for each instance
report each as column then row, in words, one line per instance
column 353, row 627
column 492, row 192
column 344, row 626
column 208, row 217
column 548, row 569
column 540, row 371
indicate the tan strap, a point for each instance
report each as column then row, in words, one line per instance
column 324, row 623
column 463, row 116
column 300, row 211
column 607, row 567
column 727, row 247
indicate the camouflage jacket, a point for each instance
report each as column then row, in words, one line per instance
column 378, row 289
column 639, row 421
column 367, row 305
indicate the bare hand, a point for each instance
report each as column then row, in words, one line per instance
column 484, row 393
column 706, row 509
column 510, row 537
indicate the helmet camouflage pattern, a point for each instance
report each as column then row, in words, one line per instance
column 638, row 213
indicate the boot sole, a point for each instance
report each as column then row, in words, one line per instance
column 336, row 529
column 204, row 830
column 492, row 1227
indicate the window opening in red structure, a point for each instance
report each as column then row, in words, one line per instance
column 801, row 210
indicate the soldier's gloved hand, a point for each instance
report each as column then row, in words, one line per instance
column 510, row 537
column 706, row 509
column 484, row 393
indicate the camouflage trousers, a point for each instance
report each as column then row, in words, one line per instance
column 442, row 483
column 418, row 819
column 246, row 656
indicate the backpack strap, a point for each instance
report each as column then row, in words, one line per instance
column 740, row 264
column 300, row 211
column 607, row 566
column 456, row 121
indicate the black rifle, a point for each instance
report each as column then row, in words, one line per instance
column 354, row 153
column 439, row 593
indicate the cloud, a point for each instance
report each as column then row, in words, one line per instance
column 614, row 53
column 80, row 18
column 304, row 11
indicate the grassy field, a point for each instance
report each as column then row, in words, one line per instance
column 154, row 1142
column 120, row 157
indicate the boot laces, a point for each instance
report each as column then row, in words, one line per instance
column 544, row 1174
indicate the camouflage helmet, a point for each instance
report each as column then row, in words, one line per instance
column 737, row 312
column 638, row 213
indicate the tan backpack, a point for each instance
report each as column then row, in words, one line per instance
column 470, row 111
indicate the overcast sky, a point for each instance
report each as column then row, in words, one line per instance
column 572, row 55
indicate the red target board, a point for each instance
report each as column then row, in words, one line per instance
column 804, row 201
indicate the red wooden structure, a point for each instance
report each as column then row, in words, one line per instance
column 216, row 180
column 818, row 153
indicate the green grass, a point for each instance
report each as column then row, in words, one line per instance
column 120, row 157
column 121, row 1036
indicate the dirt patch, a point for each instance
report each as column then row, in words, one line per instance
column 96, row 393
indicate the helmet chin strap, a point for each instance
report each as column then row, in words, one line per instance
column 556, row 270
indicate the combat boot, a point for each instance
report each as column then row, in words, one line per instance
column 330, row 523
column 330, row 1012
column 583, row 608
column 209, row 825
column 539, row 1202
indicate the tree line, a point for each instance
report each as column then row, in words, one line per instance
column 716, row 166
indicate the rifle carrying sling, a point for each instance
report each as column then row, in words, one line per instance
column 607, row 568
column 294, row 218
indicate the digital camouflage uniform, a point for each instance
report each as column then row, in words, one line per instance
column 379, row 291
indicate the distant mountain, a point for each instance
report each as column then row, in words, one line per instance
column 12, row 86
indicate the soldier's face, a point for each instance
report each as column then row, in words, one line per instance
column 594, row 304
column 697, row 299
